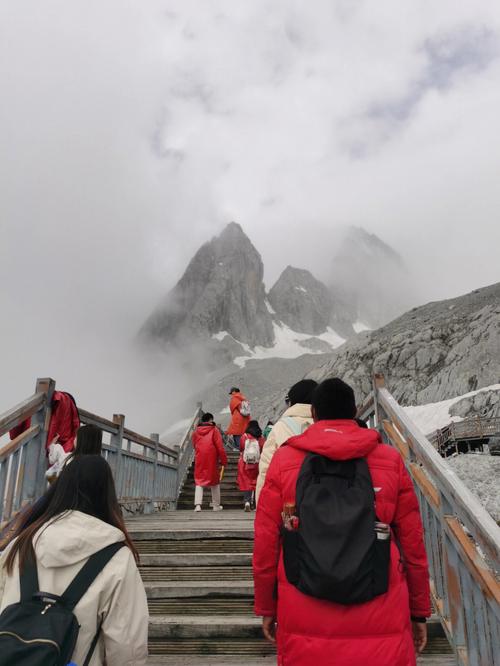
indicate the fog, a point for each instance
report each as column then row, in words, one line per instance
column 131, row 132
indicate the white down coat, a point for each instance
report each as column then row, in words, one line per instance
column 281, row 433
column 117, row 595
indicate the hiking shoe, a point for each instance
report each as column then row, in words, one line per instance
column 197, row 507
column 247, row 506
column 218, row 508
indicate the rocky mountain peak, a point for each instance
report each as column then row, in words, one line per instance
column 371, row 278
column 302, row 302
column 222, row 290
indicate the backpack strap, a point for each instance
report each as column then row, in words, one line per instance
column 292, row 424
column 28, row 580
column 87, row 574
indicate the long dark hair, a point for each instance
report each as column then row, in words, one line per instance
column 85, row 485
column 88, row 441
column 254, row 429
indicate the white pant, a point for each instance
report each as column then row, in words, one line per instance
column 198, row 495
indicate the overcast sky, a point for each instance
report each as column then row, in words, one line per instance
column 132, row 131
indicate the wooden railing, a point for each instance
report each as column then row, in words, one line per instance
column 462, row 539
column 475, row 427
column 148, row 475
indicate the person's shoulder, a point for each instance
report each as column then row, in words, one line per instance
column 386, row 453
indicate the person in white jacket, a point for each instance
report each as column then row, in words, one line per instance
column 296, row 419
column 82, row 517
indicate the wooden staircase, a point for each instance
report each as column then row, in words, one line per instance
column 231, row 496
column 197, row 571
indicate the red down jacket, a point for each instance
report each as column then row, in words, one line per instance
column 239, row 423
column 247, row 474
column 209, row 455
column 323, row 633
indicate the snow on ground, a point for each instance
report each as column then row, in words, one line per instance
column 359, row 327
column 481, row 474
column 287, row 344
column 437, row 414
column 221, row 335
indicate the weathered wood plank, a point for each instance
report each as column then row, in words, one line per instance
column 21, row 411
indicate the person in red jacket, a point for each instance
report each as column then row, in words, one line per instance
column 239, row 422
column 64, row 421
column 385, row 631
column 248, row 472
column 209, row 456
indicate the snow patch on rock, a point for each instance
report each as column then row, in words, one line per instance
column 360, row 326
column 435, row 415
column 288, row 344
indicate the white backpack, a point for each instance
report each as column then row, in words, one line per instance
column 251, row 454
column 245, row 408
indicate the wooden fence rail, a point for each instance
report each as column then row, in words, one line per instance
column 462, row 539
column 148, row 475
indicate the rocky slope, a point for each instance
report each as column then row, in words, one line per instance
column 221, row 290
column 306, row 305
column 431, row 353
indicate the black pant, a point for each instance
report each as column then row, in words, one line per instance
column 248, row 496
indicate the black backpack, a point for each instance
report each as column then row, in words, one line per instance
column 41, row 629
column 334, row 553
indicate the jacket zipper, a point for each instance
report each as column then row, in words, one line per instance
column 33, row 640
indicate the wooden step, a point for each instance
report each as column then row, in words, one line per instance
column 242, row 647
column 190, row 559
column 210, row 605
column 215, row 660
column 436, row 654
column 200, row 573
column 202, row 546
column 197, row 588
column 200, row 627
column 270, row 660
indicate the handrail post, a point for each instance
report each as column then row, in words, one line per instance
column 378, row 382
column 42, row 418
column 116, row 442
column 156, row 438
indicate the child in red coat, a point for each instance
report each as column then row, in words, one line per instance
column 248, row 463
column 209, row 457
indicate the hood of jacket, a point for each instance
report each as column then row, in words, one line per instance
column 72, row 537
column 339, row 439
column 299, row 410
column 205, row 428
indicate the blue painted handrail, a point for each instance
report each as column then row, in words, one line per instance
column 462, row 539
column 148, row 475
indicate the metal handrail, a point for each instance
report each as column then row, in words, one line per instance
column 462, row 539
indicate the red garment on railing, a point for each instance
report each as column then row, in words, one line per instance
column 64, row 421
column 20, row 428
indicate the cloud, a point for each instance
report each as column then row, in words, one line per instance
column 132, row 132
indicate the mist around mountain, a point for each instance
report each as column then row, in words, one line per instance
column 221, row 304
column 371, row 279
